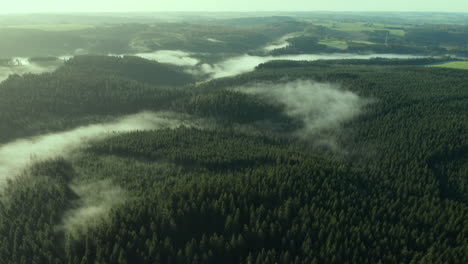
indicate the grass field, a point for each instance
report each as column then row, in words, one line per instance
column 463, row 65
column 342, row 45
column 361, row 26
column 53, row 27
column 339, row 44
column 363, row 42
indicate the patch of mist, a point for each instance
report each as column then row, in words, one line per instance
column 281, row 42
column 16, row 156
column 65, row 57
column 275, row 46
column 278, row 44
column 138, row 47
column 247, row 63
column 80, row 51
column 95, row 201
column 214, row 40
column 176, row 57
column 22, row 66
column 323, row 108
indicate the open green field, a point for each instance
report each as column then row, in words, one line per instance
column 361, row 26
column 363, row 42
column 53, row 27
column 339, row 44
column 463, row 65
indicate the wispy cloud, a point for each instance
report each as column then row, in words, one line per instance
column 323, row 108
column 18, row 155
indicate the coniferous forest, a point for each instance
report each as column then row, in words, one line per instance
column 125, row 160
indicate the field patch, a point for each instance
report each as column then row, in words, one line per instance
column 463, row 65
column 362, row 26
column 338, row 44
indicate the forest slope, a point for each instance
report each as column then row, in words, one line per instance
column 249, row 187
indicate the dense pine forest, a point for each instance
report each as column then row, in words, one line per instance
column 245, row 179
column 251, row 138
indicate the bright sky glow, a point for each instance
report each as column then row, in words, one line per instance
column 52, row 6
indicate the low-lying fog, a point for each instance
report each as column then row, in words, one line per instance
column 322, row 107
column 225, row 68
column 280, row 43
column 246, row 63
column 22, row 66
column 96, row 199
column 18, row 155
column 177, row 57
column 276, row 45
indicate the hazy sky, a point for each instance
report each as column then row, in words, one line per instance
column 28, row 6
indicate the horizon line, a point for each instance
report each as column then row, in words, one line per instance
column 219, row 12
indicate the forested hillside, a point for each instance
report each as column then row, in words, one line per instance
column 136, row 37
column 377, row 174
column 303, row 33
column 86, row 89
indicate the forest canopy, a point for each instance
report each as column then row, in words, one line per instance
column 130, row 150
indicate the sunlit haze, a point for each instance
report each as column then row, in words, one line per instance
column 33, row 6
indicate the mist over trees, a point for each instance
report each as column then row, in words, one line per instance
column 248, row 192
column 120, row 159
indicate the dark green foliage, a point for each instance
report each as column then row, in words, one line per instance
column 373, row 61
column 258, row 21
column 213, row 149
column 130, row 67
column 194, row 37
column 131, row 38
column 392, row 48
column 438, row 34
column 397, row 195
column 419, row 112
column 31, row 207
column 87, row 89
column 231, row 106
